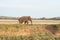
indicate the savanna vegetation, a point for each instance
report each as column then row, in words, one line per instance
column 28, row 32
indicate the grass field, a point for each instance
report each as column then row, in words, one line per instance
column 27, row 32
column 11, row 30
column 34, row 21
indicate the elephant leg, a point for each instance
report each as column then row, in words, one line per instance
column 25, row 22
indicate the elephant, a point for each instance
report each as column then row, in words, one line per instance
column 25, row 19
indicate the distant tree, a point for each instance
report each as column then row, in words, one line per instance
column 43, row 18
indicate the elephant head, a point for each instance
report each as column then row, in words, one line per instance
column 25, row 19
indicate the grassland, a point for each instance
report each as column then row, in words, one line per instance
column 3, row 21
column 27, row 32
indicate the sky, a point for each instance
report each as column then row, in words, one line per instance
column 33, row 8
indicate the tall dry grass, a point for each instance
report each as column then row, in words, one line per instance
column 26, row 32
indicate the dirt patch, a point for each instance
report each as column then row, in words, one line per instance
column 53, row 29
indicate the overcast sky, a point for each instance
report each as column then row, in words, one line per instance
column 33, row 8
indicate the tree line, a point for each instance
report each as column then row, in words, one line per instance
column 43, row 18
